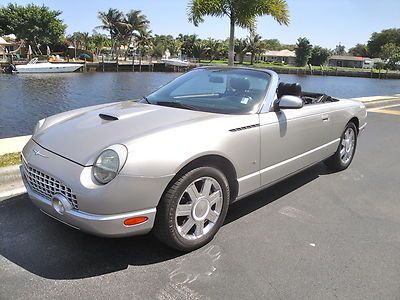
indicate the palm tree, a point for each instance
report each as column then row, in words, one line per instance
column 188, row 42
column 240, row 13
column 100, row 41
column 255, row 45
column 131, row 26
column 241, row 46
column 111, row 19
column 144, row 42
column 199, row 49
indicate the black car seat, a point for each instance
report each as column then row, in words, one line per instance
column 239, row 86
column 291, row 89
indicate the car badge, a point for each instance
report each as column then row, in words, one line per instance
column 37, row 152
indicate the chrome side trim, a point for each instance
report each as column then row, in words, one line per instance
column 263, row 187
column 248, row 176
column 298, row 156
column 287, row 161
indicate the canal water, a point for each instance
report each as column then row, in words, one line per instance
column 25, row 99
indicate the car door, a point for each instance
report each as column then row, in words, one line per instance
column 292, row 139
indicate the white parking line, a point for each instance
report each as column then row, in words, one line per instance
column 382, row 107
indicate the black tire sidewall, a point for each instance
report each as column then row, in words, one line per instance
column 335, row 162
column 173, row 198
column 352, row 126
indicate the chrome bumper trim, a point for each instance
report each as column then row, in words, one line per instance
column 361, row 129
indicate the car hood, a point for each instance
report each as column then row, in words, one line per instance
column 82, row 134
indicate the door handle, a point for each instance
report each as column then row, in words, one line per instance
column 325, row 118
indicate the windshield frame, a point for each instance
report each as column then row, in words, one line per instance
column 264, row 101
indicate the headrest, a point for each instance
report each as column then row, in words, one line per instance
column 292, row 89
column 240, row 84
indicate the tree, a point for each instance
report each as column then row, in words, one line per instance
column 379, row 39
column 303, row 51
column 241, row 49
column 100, row 41
column 144, row 42
column 199, row 49
column 111, row 19
column 359, row 50
column 187, row 42
column 37, row 25
column 240, row 13
column 319, row 56
column 166, row 42
column 273, row 45
column 131, row 26
column 391, row 54
column 255, row 45
column 339, row 50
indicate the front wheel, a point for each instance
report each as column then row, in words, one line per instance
column 192, row 209
column 343, row 157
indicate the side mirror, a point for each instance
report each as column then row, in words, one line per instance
column 287, row 101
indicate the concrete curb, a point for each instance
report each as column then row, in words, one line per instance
column 10, row 182
column 13, row 144
column 381, row 103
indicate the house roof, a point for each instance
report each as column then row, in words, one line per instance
column 4, row 42
column 348, row 57
column 281, row 53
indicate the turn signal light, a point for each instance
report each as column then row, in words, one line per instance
column 135, row 221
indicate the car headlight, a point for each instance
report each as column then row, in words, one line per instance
column 38, row 126
column 109, row 163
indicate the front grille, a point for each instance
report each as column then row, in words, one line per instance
column 47, row 186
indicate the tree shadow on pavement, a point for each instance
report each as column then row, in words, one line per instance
column 52, row 250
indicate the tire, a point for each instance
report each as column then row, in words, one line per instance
column 192, row 209
column 344, row 155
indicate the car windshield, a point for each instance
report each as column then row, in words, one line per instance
column 218, row 90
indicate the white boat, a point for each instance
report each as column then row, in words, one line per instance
column 34, row 67
column 176, row 62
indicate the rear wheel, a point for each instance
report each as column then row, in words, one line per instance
column 343, row 157
column 192, row 209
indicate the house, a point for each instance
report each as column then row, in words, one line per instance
column 7, row 47
column 350, row 61
column 283, row 56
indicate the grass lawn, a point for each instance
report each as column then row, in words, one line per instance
column 277, row 66
column 10, row 159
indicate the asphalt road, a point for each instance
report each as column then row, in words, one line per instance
column 317, row 235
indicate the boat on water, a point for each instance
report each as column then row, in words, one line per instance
column 46, row 67
column 176, row 62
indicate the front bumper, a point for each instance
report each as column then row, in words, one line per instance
column 101, row 225
column 99, row 209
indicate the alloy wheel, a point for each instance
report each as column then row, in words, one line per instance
column 199, row 208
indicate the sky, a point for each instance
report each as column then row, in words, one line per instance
column 324, row 22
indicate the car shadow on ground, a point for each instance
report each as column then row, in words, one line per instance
column 50, row 249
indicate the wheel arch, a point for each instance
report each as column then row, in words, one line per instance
column 211, row 160
column 356, row 122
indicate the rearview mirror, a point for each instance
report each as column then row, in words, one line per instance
column 287, row 101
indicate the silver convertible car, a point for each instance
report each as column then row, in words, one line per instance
column 174, row 161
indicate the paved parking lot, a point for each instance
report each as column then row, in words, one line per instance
column 317, row 235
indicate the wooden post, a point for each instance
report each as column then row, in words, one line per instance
column 140, row 63
column 133, row 63
column 117, row 62
column 102, row 62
